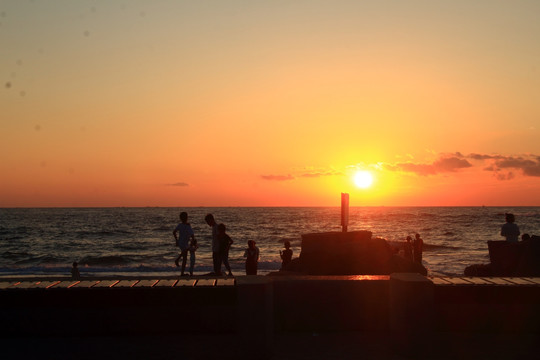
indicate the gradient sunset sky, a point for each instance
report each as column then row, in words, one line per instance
column 269, row 103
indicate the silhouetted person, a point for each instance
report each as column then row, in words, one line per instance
column 182, row 233
column 192, row 248
column 525, row 237
column 216, row 256
column 75, row 275
column 225, row 243
column 252, row 258
column 510, row 230
column 408, row 249
column 418, row 245
column 286, row 255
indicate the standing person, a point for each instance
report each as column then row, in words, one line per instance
column 418, row 244
column 408, row 249
column 192, row 248
column 510, row 230
column 252, row 258
column 225, row 243
column 286, row 255
column 182, row 233
column 216, row 258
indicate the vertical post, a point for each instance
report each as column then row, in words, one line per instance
column 344, row 211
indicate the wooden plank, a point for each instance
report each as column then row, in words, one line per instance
column 46, row 284
column 498, row 281
column 459, row 281
column 186, row 282
column 125, row 283
column 535, row 280
column 28, row 284
column 518, row 281
column 6, row 284
column 166, row 283
column 478, row 281
column 225, row 282
column 440, row 281
column 84, row 284
column 206, row 282
column 146, row 283
column 106, row 283
column 66, row 284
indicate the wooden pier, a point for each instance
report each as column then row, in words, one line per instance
column 406, row 307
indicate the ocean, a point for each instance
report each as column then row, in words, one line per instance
column 139, row 241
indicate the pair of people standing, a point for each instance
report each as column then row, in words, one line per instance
column 413, row 248
column 221, row 243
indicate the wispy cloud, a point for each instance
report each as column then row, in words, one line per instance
column 444, row 164
column 277, row 177
column 319, row 173
column 178, row 184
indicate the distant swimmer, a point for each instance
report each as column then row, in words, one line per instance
column 286, row 255
column 510, row 230
column 182, row 233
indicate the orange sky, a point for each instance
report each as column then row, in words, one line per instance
column 261, row 103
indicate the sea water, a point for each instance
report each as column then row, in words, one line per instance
column 139, row 241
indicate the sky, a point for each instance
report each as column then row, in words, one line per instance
column 269, row 103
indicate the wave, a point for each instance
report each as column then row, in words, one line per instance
column 43, row 259
column 131, row 270
column 104, row 260
column 101, row 233
column 426, row 246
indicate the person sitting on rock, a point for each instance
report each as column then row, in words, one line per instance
column 510, row 230
column 286, row 255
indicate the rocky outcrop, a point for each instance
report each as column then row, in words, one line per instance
column 510, row 259
column 349, row 253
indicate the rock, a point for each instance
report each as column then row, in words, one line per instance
column 515, row 259
column 399, row 264
column 479, row 270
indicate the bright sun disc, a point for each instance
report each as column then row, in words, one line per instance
column 363, row 179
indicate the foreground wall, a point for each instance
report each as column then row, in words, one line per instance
column 259, row 306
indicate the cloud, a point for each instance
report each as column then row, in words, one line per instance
column 529, row 165
column 444, row 164
column 277, row 177
column 178, row 184
column 508, row 176
column 317, row 174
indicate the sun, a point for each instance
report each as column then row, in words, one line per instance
column 363, row 179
